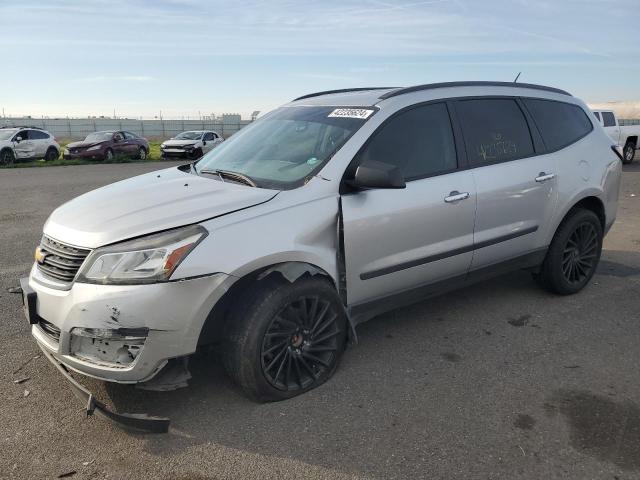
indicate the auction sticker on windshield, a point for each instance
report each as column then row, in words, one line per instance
column 362, row 113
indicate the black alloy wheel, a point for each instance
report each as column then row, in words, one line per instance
column 301, row 344
column 283, row 339
column 574, row 253
column 580, row 255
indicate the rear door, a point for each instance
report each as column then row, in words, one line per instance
column 395, row 240
column 40, row 141
column 516, row 191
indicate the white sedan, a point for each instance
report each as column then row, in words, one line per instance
column 192, row 144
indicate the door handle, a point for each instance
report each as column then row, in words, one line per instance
column 543, row 177
column 456, row 196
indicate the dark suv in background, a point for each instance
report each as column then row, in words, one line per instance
column 107, row 145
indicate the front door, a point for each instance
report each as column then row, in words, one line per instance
column 25, row 148
column 395, row 240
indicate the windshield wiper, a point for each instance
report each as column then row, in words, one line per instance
column 241, row 177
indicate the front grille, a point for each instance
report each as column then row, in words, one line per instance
column 50, row 330
column 61, row 261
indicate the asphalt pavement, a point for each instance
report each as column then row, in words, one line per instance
column 501, row 380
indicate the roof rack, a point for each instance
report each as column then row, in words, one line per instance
column 22, row 126
column 430, row 86
column 342, row 90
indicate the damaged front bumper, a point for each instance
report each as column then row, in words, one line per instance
column 121, row 333
column 134, row 421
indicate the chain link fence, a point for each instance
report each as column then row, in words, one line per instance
column 79, row 128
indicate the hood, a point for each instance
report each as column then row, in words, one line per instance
column 146, row 204
column 175, row 143
column 82, row 144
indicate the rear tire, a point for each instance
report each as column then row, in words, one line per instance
column 51, row 155
column 628, row 153
column 573, row 255
column 285, row 338
column 108, row 155
column 7, row 157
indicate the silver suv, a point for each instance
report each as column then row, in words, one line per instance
column 27, row 143
column 329, row 210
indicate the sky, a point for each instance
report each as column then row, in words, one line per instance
column 188, row 58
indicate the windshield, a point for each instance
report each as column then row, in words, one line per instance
column 287, row 147
column 99, row 137
column 188, row 136
column 6, row 134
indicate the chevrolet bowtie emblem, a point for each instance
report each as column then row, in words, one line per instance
column 40, row 256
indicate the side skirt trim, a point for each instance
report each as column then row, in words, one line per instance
column 362, row 312
column 440, row 256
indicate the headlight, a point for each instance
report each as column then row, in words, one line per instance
column 66, row 151
column 149, row 259
column 162, row 145
column 95, row 147
column 189, row 147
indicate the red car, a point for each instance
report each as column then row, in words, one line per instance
column 107, row 145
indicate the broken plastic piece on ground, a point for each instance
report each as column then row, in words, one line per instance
column 14, row 290
column 173, row 376
column 135, row 421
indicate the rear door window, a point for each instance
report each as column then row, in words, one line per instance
column 608, row 119
column 419, row 141
column 494, row 129
column 597, row 115
column 37, row 135
column 560, row 124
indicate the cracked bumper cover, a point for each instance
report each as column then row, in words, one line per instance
column 133, row 421
column 173, row 313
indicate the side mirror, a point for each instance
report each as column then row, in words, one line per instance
column 204, row 142
column 372, row 174
column 18, row 139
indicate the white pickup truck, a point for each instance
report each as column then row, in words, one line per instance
column 625, row 136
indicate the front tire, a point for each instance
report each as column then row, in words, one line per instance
column 573, row 255
column 142, row 154
column 7, row 157
column 196, row 154
column 285, row 338
column 628, row 153
column 108, row 155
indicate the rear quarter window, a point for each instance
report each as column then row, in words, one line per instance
column 494, row 129
column 560, row 124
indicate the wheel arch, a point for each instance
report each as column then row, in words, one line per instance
column 289, row 271
column 588, row 202
column 632, row 139
column 54, row 148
